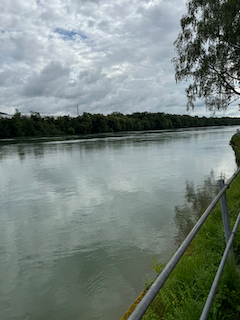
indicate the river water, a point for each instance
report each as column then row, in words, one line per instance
column 81, row 219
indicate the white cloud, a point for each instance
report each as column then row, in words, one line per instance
column 103, row 56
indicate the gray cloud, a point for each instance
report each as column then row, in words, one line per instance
column 103, row 56
column 9, row 78
column 48, row 82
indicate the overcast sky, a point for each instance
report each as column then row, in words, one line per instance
column 102, row 55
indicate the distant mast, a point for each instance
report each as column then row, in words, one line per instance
column 77, row 111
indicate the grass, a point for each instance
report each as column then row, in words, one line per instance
column 235, row 143
column 184, row 294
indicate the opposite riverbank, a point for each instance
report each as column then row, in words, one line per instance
column 184, row 294
column 35, row 125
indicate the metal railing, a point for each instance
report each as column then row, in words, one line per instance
column 209, row 301
column 162, row 277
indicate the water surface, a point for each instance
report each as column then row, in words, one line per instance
column 81, row 219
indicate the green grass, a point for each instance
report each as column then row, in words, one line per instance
column 184, row 294
column 235, row 143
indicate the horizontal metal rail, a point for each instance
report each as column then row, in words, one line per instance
column 219, row 273
column 162, row 277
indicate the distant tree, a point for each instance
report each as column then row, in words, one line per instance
column 208, row 50
column 99, row 123
column 113, row 122
column 16, row 125
column 118, row 114
column 35, row 125
column 176, row 121
column 5, row 128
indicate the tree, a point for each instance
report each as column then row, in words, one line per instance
column 208, row 51
column 99, row 123
column 16, row 124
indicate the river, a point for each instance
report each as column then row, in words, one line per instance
column 80, row 219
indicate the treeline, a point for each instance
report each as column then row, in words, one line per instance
column 36, row 125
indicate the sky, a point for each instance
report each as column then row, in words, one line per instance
column 102, row 56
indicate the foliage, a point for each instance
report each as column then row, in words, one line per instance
column 207, row 50
column 186, row 290
column 35, row 125
column 235, row 143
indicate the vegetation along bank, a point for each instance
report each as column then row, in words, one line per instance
column 36, row 125
column 184, row 294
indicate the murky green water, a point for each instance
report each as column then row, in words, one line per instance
column 81, row 219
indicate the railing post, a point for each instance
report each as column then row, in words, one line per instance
column 225, row 217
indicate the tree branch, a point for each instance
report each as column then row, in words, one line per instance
column 225, row 81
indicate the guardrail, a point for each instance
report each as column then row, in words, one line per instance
column 162, row 277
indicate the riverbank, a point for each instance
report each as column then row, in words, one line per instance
column 35, row 125
column 184, row 294
column 235, row 143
